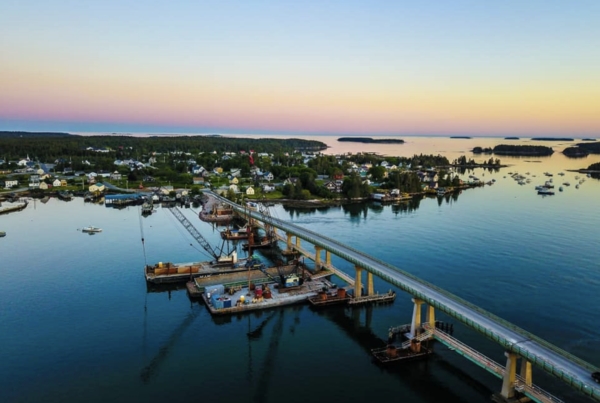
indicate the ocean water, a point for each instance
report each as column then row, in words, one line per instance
column 77, row 321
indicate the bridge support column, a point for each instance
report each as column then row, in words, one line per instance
column 289, row 241
column 430, row 318
column 510, row 375
column 370, row 283
column 357, row 282
column 328, row 258
column 416, row 319
column 297, row 241
column 526, row 371
column 318, row 250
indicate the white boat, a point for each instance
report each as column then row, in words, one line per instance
column 91, row 229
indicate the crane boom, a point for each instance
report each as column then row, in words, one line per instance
column 193, row 232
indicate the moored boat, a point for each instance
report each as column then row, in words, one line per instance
column 91, row 229
column 2, row 234
column 545, row 192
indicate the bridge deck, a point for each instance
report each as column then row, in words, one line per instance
column 572, row 370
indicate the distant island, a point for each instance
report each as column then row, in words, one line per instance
column 515, row 150
column 592, row 148
column 575, row 152
column 460, row 137
column 18, row 134
column 552, row 139
column 588, row 139
column 511, row 138
column 370, row 140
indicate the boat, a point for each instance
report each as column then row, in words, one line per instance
column 545, row 192
column 567, row 184
column 560, row 189
column 147, row 208
column 2, row 234
column 91, row 229
column 577, row 186
column 549, row 185
column 65, row 195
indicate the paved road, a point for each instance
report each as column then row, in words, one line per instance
column 572, row 370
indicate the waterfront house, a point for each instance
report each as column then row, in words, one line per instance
column 43, row 186
column 334, row 186
column 56, row 183
column 97, row 188
column 268, row 188
column 10, row 184
column 250, row 191
column 63, row 183
column 290, row 181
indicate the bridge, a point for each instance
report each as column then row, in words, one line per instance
column 517, row 343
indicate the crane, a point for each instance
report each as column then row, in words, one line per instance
column 194, row 232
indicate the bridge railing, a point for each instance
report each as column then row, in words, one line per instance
column 510, row 346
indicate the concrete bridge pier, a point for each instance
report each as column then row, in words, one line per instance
column 526, row 371
column 357, row 282
column 298, row 241
column 430, row 316
column 328, row 258
column 507, row 392
column 318, row 250
column 289, row 241
column 370, row 284
column 416, row 319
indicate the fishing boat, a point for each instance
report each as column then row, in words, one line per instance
column 147, row 208
column 547, row 192
column 91, row 229
column 65, row 195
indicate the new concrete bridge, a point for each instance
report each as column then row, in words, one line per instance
column 518, row 343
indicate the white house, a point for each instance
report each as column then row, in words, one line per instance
column 250, row 191
column 268, row 188
column 56, row 183
column 43, row 186
column 10, row 184
column 268, row 176
column 236, row 172
column 234, row 188
column 116, row 176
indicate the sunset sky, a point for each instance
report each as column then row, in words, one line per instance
column 302, row 67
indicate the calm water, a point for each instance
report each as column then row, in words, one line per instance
column 77, row 321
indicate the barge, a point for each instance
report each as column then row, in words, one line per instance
column 220, row 302
column 393, row 354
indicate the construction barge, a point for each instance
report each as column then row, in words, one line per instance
column 198, row 285
column 161, row 273
column 392, row 353
column 220, row 301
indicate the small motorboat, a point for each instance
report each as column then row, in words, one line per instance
column 2, row 234
column 91, row 229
